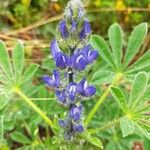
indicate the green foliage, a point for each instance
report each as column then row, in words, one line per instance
column 117, row 62
column 134, row 109
column 12, row 75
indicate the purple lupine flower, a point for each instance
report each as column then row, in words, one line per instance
column 75, row 112
column 60, row 58
column 86, row 90
column 73, row 33
column 86, row 29
column 63, row 29
column 71, row 91
column 62, row 123
column 73, row 26
column 79, row 61
column 89, row 54
column 78, row 128
column 53, row 81
column 61, row 95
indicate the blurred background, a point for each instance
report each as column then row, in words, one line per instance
column 35, row 21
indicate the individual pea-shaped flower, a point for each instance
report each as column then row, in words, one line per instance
column 53, row 81
column 86, row 90
column 71, row 91
column 63, row 29
column 86, row 30
column 60, row 58
column 90, row 55
column 61, row 96
column 78, row 127
column 76, row 112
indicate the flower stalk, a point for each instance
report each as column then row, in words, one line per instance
column 116, row 80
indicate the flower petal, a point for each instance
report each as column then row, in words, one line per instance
column 90, row 90
column 62, row 123
column 61, row 60
column 54, row 48
column 61, row 96
column 81, row 86
column 75, row 112
column 92, row 56
column 78, row 128
column 48, row 81
column 63, row 29
column 80, row 62
column 56, row 78
column 86, row 29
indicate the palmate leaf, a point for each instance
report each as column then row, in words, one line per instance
column 136, row 108
column 12, row 75
column 115, row 58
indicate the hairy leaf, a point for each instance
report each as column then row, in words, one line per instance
column 18, row 59
column 115, row 39
column 119, row 97
column 135, row 41
column 99, row 43
column 139, row 87
column 127, row 126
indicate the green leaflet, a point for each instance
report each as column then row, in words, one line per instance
column 18, row 59
column 115, row 39
column 102, row 76
column 99, row 43
column 138, row 89
column 127, row 126
column 29, row 72
column 119, row 97
column 4, row 60
column 143, row 62
column 21, row 138
column 135, row 41
column 92, row 139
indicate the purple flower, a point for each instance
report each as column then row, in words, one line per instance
column 75, row 112
column 53, row 81
column 78, row 128
column 89, row 54
column 63, row 29
column 86, row 29
column 60, row 58
column 74, row 26
column 62, row 123
column 79, row 61
column 84, row 89
column 71, row 91
column 61, row 95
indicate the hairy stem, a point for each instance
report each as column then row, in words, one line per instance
column 104, row 95
column 33, row 106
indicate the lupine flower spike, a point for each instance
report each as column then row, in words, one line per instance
column 72, row 53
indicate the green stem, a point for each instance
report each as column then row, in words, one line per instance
column 33, row 106
column 105, row 94
column 106, row 126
